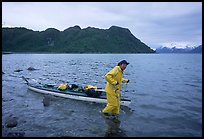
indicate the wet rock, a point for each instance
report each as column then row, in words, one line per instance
column 11, row 122
column 5, row 100
column 18, row 70
column 31, row 68
column 72, row 111
column 15, row 134
column 4, row 132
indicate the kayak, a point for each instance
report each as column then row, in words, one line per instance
column 96, row 95
column 77, row 95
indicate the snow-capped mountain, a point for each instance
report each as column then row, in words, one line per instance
column 176, row 49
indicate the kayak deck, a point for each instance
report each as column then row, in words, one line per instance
column 74, row 94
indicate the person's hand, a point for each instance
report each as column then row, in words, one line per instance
column 117, row 87
column 117, row 94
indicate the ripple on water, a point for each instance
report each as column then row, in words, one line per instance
column 166, row 100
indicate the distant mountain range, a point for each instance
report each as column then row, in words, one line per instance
column 72, row 40
column 197, row 49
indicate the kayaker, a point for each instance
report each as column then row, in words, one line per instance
column 114, row 79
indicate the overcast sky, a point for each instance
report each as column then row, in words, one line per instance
column 154, row 23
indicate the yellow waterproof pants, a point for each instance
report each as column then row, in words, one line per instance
column 113, row 105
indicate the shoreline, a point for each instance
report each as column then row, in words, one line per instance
column 8, row 53
column 5, row 53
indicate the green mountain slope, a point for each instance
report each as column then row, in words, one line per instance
column 73, row 40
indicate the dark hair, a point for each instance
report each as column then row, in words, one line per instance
column 123, row 62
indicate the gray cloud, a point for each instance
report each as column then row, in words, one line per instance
column 152, row 22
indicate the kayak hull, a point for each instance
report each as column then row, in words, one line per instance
column 70, row 95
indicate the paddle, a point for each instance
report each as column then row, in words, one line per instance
column 25, row 80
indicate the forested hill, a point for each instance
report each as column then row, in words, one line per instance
column 73, row 40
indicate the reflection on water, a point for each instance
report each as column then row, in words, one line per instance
column 113, row 128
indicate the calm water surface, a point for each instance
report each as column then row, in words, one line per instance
column 165, row 89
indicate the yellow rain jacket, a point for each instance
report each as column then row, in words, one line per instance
column 113, row 94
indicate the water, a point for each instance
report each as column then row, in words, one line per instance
column 165, row 89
